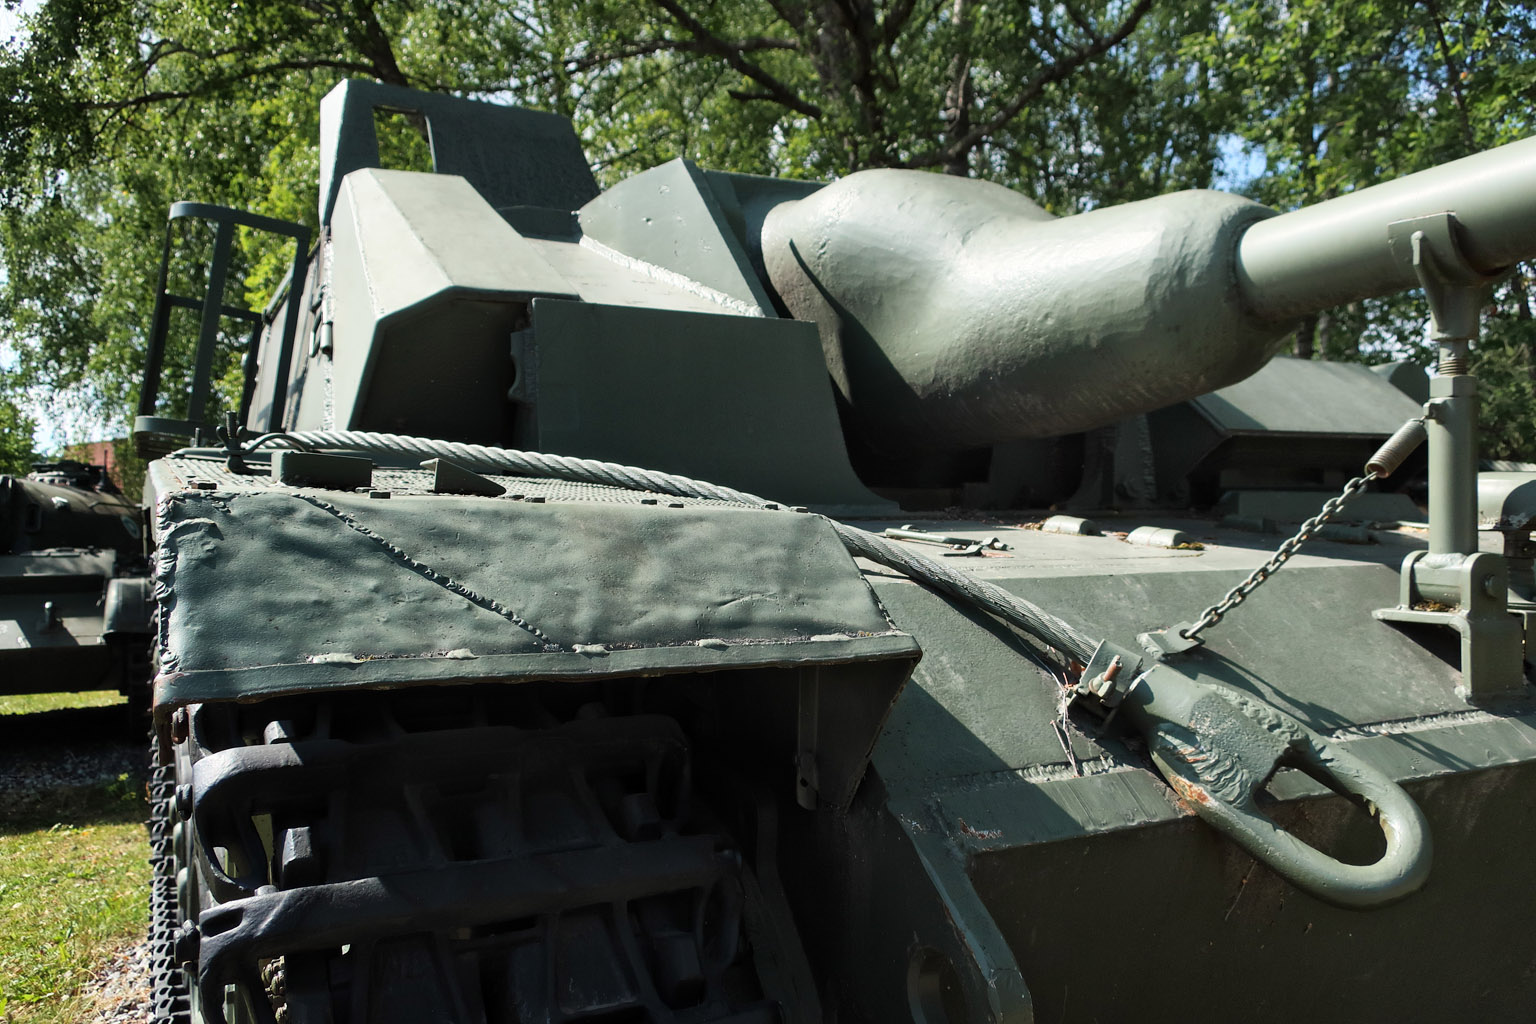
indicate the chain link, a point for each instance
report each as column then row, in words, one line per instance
column 1238, row 594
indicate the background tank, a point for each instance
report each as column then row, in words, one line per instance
column 449, row 730
column 74, row 597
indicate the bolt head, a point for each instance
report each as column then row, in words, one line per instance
column 185, row 945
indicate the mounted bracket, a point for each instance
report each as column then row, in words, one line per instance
column 1164, row 642
column 452, row 478
column 1453, row 583
column 1467, row 594
column 1452, row 285
column 1109, row 674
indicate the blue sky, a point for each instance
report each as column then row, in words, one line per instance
column 10, row 16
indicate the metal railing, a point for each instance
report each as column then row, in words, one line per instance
column 214, row 310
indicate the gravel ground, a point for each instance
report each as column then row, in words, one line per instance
column 68, row 747
column 41, row 768
column 29, row 774
column 119, row 993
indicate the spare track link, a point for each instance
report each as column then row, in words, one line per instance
column 502, row 865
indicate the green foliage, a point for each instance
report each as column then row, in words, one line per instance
column 116, row 108
column 1141, row 123
column 16, row 433
column 28, row 703
column 1506, row 379
column 1333, row 97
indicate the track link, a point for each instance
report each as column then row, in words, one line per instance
column 477, row 857
column 168, row 981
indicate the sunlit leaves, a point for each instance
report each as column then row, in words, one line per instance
column 16, row 431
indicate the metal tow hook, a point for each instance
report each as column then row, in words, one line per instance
column 958, row 546
column 1218, row 748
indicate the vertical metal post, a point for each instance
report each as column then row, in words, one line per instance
column 1451, row 423
column 291, row 317
column 1474, row 584
column 208, row 331
column 251, row 365
column 154, row 358
column 1455, row 294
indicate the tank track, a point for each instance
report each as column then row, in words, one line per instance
column 171, row 998
column 480, row 855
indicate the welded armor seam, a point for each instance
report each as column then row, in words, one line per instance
column 431, row 575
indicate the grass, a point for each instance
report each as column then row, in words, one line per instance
column 27, row 703
column 74, row 886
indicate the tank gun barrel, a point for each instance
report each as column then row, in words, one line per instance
column 955, row 313
column 1336, row 251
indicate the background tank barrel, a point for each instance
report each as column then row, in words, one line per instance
column 1336, row 251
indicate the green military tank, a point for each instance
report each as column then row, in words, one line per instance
column 617, row 606
column 74, row 592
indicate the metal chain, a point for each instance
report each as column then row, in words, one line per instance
column 1238, row 594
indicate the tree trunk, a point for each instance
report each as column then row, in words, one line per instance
column 1349, row 348
column 1306, row 334
column 958, row 98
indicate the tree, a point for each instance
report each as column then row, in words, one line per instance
column 16, row 437
column 115, row 108
column 1340, row 97
column 1336, row 98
